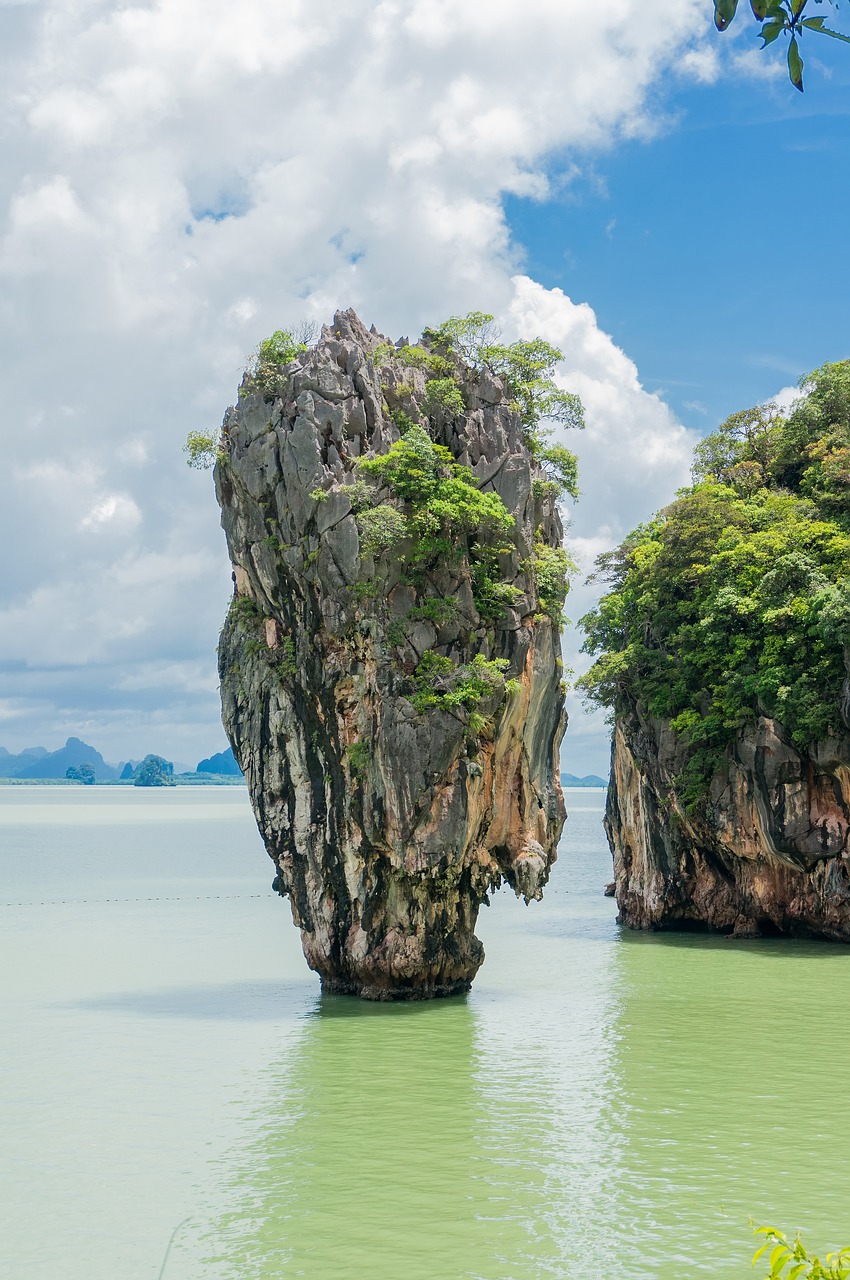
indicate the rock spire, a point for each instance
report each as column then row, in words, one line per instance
column 395, row 701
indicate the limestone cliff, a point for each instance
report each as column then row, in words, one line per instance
column 388, row 820
column 768, row 853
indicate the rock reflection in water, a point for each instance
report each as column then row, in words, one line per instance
column 405, row 1141
column 373, row 1158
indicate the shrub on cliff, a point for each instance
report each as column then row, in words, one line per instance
column 526, row 368
column 734, row 601
column 442, row 513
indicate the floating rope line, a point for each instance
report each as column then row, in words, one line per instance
column 82, row 902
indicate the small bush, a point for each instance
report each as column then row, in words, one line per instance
column 443, row 396
column 381, row 528
column 287, row 664
column 560, row 467
column 203, row 448
column 358, row 755
column 436, row 609
column 244, row 608
column 442, row 684
column 552, row 568
column 266, row 367
column 403, row 421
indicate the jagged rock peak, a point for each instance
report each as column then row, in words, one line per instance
column 390, row 664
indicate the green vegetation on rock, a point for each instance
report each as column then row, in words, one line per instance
column 202, row 448
column 443, row 516
column 526, row 367
column 420, row 514
column 267, row 368
column 734, row 601
column 441, row 683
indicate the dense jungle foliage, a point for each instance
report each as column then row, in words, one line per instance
column 734, row 601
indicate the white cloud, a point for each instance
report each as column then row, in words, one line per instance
column 178, row 179
column 633, row 455
column 785, row 398
column 117, row 512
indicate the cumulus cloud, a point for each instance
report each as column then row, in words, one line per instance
column 633, row 455
column 178, row 180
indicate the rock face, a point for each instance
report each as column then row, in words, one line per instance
column 769, row 854
column 387, row 825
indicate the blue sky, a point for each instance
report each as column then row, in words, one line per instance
column 652, row 197
column 715, row 254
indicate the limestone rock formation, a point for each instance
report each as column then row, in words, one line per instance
column 388, row 819
column 769, row 853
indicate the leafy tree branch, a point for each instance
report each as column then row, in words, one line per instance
column 782, row 17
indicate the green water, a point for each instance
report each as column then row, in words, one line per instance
column 603, row 1104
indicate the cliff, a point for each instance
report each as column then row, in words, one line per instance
column 721, row 648
column 390, row 674
column 767, row 852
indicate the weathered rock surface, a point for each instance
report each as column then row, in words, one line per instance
column 387, row 825
column 769, row 854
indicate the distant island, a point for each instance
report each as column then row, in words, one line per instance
column 589, row 780
column 81, row 764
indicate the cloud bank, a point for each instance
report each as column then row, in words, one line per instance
column 178, row 180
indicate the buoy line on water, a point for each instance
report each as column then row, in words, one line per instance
column 82, row 902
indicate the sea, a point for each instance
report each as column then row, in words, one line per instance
column 179, row 1101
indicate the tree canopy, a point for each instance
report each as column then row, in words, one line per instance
column 734, row 601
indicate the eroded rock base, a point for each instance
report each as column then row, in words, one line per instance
column 768, row 855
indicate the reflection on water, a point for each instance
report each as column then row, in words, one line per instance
column 413, row 1137
column 371, row 1154
column 463, row 1138
column 731, row 1058
column 603, row 1103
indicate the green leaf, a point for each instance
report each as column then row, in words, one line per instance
column 795, row 1271
column 759, row 8
column 758, row 1253
column 814, row 23
column 770, row 31
column 778, row 1258
column 836, row 35
column 724, row 12
column 797, row 7
column 795, row 65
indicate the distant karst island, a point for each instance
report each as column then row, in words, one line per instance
column 78, row 762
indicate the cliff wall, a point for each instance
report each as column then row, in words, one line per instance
column 387, row 824
column 768, row 852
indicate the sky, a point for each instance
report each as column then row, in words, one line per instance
column 178, row 180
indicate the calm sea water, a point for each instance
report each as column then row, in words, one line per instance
column 603, row 1104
